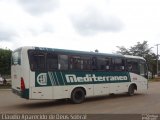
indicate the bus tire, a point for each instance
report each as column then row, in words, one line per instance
column 131, row 90
column 78, row 96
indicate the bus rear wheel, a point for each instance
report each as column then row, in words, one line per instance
column 131, row 90
column 78, row 96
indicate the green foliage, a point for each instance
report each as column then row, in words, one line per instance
column 5, row 61
column 143, row 50
column 140, row 49
column 123, row 50
column 151, row 61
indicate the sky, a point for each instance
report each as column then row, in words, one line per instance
column 79, row 24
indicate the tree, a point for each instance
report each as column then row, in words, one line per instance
column 151, row 61
column 123, row 50
column 143, row 50
column 5, row 61
column 140, row 49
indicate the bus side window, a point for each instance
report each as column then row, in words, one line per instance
column 118, row 64
column 85, row 63
column 63, row 62
column 52, row 61
column 101, row 64
column 75, row 63
column 108, row 63
column 94, row 63
column 37, row 61
column 132, row 65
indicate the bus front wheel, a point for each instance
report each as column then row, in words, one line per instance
column 78, row 96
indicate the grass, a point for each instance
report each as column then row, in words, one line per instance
column 155, row 80
column 8, row 86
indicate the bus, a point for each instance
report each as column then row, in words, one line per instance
column 48, row 73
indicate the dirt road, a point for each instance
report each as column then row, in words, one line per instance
column 118, row 104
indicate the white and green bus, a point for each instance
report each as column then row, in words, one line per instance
column 47, row 73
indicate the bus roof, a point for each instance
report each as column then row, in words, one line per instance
column 76, row 52
column 72, row 52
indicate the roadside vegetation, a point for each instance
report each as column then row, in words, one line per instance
column 155, row 79
column 5, row 62
column 5, row 67
column 8, row 86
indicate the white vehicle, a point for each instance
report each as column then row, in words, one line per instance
column 46, row 73
column 1, row 81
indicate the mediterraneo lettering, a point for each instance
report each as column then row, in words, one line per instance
column 93, row 78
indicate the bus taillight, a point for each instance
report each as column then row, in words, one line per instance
column 22, row 84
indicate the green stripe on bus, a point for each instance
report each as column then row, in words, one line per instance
column 60, row 78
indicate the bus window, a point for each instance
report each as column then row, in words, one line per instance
column 132, row 65
column 108, row 63
column 85, row 63
column 118, row 64
column 75, row 63
column 63, row 62
column 143, row 69
column 52, row 62
column 94, row 63
column 37, row 61
column 101, row 63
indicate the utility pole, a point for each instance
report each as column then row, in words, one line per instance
column 157, row 57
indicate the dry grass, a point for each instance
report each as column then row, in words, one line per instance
column 155, row 79
column 8, row 86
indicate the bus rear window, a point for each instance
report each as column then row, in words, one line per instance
column 16, row 57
